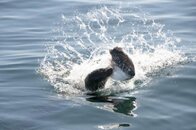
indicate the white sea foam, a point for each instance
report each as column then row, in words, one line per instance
column 84, row 46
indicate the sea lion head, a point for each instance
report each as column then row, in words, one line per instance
column 116, row 50
column 97, row 79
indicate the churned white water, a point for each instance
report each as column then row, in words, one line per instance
column 85, row 40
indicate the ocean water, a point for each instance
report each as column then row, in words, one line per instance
column 48, row 47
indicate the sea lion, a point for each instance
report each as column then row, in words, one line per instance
column 97, row 79
column 121, row 60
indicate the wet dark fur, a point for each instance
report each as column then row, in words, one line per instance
column 123, row 61
column 97, row 79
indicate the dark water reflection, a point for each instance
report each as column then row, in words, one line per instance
column 124, row 105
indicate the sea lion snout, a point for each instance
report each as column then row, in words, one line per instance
column 109, row 71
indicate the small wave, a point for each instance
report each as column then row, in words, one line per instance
column 85, row 39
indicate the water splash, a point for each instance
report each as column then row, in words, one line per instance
column 86, row 38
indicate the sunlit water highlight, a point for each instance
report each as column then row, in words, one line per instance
column 87, row 39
